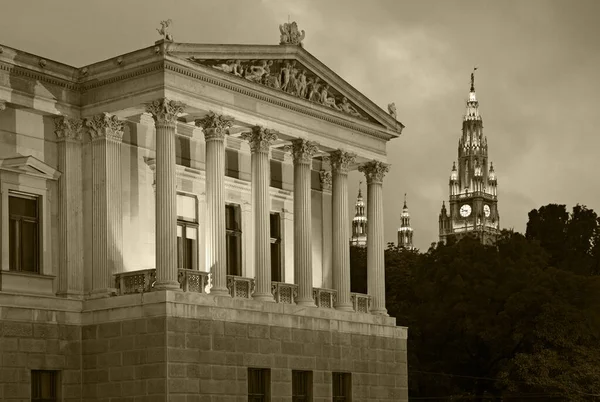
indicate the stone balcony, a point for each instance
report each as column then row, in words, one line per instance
column 142, row 281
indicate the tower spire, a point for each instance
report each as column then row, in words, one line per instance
column 405, row 232
column 359, row 222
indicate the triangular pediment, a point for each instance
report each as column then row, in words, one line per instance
column 289, row 71
column 29, row 165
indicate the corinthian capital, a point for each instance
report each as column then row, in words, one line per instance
column 302, row 150
column 326, row 180
column 68, row 128
column 165, row 111
column 214, row 125
column 104, row 125
column 374, row 171
column 260, row 138
column 341, row 160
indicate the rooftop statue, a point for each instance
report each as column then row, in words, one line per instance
column 392, row 109
column 290, row 34
column 164, row 30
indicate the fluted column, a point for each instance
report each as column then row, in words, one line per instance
column 215, row 127
column 326, row 227
column 260, row 140
column 106, row 132
column 374, row 172
column 165, row 113
column 70, row 207
column 303, row 152
column 340, row 161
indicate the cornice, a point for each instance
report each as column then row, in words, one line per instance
column 25, row 72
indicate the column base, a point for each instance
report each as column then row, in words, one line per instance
column 344, row 307
column 264, row 297
column 306, row 302
column 380, row 312
column 167, row 285
column 221, row 292
column 100, row 293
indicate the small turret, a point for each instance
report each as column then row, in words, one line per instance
column 359, row 222
column 405, row 232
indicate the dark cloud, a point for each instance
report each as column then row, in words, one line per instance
column 537, row 81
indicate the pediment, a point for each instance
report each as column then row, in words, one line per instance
column 29, row 165
column 289, row 71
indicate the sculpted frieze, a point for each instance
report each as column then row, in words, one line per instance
column 288, row 76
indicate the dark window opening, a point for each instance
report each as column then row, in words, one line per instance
column 301, row 386
column 342, row 387
column 23, row 232
column 275, row 223
column 259, row 385
column 44, row 386
column 233, row 226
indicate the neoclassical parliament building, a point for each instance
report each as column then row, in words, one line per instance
column 175, row 227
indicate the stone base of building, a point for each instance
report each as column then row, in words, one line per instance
column 180, row 346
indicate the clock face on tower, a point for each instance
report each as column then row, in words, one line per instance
column 486, row 210
column 465, row 210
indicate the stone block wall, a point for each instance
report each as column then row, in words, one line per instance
column 36, row 340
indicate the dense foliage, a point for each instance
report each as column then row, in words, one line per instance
column 519, row 320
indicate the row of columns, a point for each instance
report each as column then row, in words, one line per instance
column 106, row 132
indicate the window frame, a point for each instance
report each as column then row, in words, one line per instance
column 185, row 223
column 346, row 386
column 37, row 385
column 18, row 220
column 238, row 235
column 265, row 396
column 308, row 386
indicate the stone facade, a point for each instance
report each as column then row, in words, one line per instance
column 103, row 294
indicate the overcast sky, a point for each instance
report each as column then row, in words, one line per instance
column 538, row 79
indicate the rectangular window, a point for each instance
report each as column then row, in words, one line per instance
column 24, row 232
column 259, row 385
column 187, row 232
column 342, row 387
column 301, row 386
column 233, row 226
column 45, row 386
column 276, row 274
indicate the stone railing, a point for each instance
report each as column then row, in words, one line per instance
column 135, row 281
column 361, row 303
column 284, row 292
column 192, row 280
column 240, row 287
column 325, row 298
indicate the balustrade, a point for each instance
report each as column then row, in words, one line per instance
column 284, row 292
column 361, row 303
column 325, row 298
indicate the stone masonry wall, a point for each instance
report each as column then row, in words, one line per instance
column 31, row 341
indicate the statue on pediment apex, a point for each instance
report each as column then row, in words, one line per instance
column 290, row 34
column 164, row 30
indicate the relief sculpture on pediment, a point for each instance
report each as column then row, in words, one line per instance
column 288, row 76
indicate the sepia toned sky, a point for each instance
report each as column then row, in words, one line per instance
column 538, row 79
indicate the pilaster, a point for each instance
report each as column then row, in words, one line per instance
column 106, row 132
column 303, row 152
column 340, row 162
column 260, row 140
column 374, row 172
column 164, row 112
column 70, row 207
column 215, row 127
column 325, row 177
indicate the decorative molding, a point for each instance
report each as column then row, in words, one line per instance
column 302, row 150
column 290, row 34
column 288, row 76
column 326, row 180
column 374, row 171
column 340, row 160
column 29, row 165
column 165, row 111
column 2, row 105
column 68, row 128
column 106, row 126
column 42, row 63
column 215, row 126
column 260, row 138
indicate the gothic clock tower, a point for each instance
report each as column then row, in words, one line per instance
column 473, row 206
